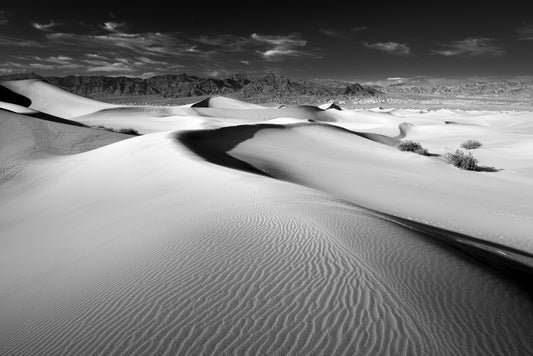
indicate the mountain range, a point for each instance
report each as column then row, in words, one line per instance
column 448, row 88
column 270, row 86
column 276, row 88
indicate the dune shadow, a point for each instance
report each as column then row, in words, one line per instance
column 47, row 117
column 9, row 96
column 487, row 169
column 213, row 145
column 202, row 104
column 516, row 265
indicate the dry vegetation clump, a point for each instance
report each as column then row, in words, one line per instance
column 462, row 160
column 124, row 130
column 411, row 146
column 471, row 144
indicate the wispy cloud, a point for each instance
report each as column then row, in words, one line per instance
column 4, row 16
column 96, row 56
column 334, row 33
column 280, row 47
column 154, row 43
column 112, row 26
column 61, row 60
column 43, row 26
column 525, row 31
column 30, row 63
column 471, row 47
column 9, row 41
column 394, row 48
column 224, row 42
column 112, row 67
column 112, row 47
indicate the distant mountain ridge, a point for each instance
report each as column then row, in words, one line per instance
column 276, row 88
column 496, row 88
column 184, row 85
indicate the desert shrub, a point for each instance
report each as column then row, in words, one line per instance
column 422, row 151
column 471, row 144
column 462, row 160
column 129, row 131
column 411, row 146
column 126, row 131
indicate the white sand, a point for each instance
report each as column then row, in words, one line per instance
column 16, row 108
column 53, row 100
column 138, row 246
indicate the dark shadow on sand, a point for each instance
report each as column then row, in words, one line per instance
column 9, row 96
column 47, row 117
column 512, row 264
column 487, row 169
column 213, row 145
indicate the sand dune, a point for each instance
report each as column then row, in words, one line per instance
column 382, row 178
column 210, row 235
column 223, row 102
column 51, row 100
column 264, row 267
column 16, row 108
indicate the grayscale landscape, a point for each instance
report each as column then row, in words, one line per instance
column 215, row 187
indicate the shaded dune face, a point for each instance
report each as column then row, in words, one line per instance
column 29, row 136
column 215, row 146
column 10, row 96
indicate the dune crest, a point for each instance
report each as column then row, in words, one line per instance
column 52, row 100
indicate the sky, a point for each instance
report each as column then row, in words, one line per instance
column 370, row 41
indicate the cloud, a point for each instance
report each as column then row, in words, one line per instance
column 525, row 31
column 41, row 66
column 43, row 27
column 150, row 43
column 46, row 63
column 470, row 47
column 280, row 47
column 229, row 43
column 60, row 60
column 146, row 60
column 112, row 26
column 18, row 42
column 394, row 48
column 334, row 33
column 4, row 17
column 358, row 29
column 289, row 40
column 96, row 56
column 111, row 67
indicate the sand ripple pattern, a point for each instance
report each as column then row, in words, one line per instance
column 285, row 278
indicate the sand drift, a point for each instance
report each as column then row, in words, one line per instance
column 231, row 228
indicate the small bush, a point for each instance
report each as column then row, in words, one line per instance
column 411, row 146
column 471, row 144
column 422, row 151
column 129, row 131
column 462, row 160
column 126, row 131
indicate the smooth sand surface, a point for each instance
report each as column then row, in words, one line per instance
column 153, row 245
column 52, row 100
